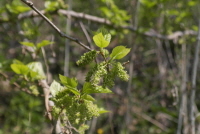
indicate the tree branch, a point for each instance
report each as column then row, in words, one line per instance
column 30, row 4
column 150, row 33
column 153, row 121
column 193, row 80
column 18, row 86
column 46, row 90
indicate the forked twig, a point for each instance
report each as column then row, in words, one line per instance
column 30, row 4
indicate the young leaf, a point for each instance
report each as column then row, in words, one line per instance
column 102, row 110
column 55, row 87
column 89, row 89
column 100, row 41
column 72, row 82
column 44, row 43
column 107, row 37
column 33, row 74
column 119, row 52
column 15, row 61
column 88, row 97
column 74, row 90
column 28, row 44
column 51, row 5
column 20, row 69
column 37, row 67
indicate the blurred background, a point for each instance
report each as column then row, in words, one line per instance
column 162, row 95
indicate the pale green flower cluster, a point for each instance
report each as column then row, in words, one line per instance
column 82, row 128
column 78, row 111
column 87, row 58
column 81, row 112
column 95, row 74
column 120, row 71
column 117, row 70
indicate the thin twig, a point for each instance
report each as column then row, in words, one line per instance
column 17, row 85
column 182, row 117
column 67, row 42
column 193, row 91
column 125, row 63
column 46, row 63
column 86, row 34
column 87, row 37
column 46, row 90
column 30, row 4
column 153, row 121
column 150, row 33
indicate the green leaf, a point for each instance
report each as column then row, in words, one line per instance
column 15, row 61
column 89, row 89
column 28, row 44
column 44, row 43
column 72, row 82
column 88, row 97
column 33, row 74
column 21, row 9
column 119, row 52
column 20, row 69
column 51, row 5
column 100, row 41
column 37, row 68
column 107, row 37
column 16, row 9
column 55, row 87
column 74, row 90
column 102, row 110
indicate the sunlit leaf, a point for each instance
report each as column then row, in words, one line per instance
column 107, row 37
column 89, row 89
column 119, row 52
column 28, row 44
column 100, row 41
column 74, row 90
column 88, row 97
column 55, row 87
column 72, row 82
column 16, row 9
column 20, row 69
column 37, row 67
column 17, row 61
column 102, row 110
column 44, row 43
column 51, row 5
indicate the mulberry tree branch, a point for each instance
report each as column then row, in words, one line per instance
column 150, row 33
column 30, row 4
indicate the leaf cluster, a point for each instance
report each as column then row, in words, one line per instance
column 71, row 103
column 78, row 104
column 106, row 71
column 28, row 74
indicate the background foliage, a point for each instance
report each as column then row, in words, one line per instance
column 162, row 35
